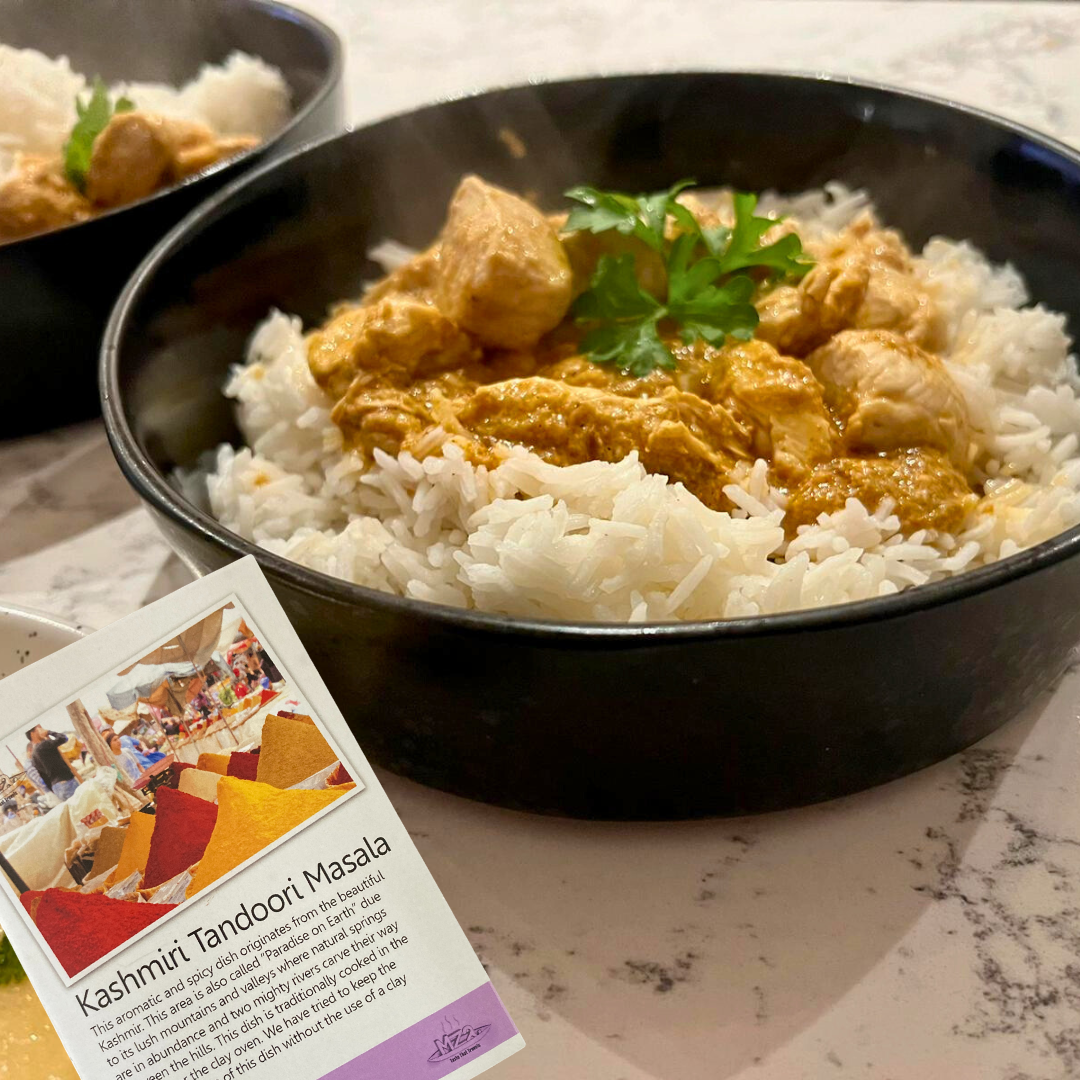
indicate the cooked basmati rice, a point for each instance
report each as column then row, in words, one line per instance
column 242, row 95
column 610, row 542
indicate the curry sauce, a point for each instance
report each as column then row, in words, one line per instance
column 839, row 390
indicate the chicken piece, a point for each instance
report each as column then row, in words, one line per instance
column 927, row 490
column 895, row 299
column 390, row 343
column 139, row 153
column 503, row 274
column 383, row 418
column 779, row 400
column 863, row 279
column 393, row 414
column 797, row 318
column 886, row 394
column 36, row 197
column 677, row 434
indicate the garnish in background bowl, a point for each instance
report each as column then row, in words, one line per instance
column 93, row 118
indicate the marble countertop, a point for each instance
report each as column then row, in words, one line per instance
column 928, row 928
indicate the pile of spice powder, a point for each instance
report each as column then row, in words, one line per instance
column 291, row 751
column 203, row 785
column 81, row 928
column 175, row 769
column 109, row 848
column 136, row 848
column 184, row 826
column 340, row 775
column 251, row 816
column 244, row 765
column 218, row 763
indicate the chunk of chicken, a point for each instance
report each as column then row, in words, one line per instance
column 926, row 489
column 863, row 279
column 389, row 343
column 797, row 318
column 503, row 274
column 36, row 197
column 886, row 394
column 779, row 400
column 895, row 299
column 678, row 434
column 138, row 153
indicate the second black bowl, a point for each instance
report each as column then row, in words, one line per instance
column 655, row 721
column 56, row 289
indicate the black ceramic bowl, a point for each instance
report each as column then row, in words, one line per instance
column 656, row 721
column 56, row 289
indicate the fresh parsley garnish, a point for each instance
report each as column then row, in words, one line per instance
column 92, row 120
column 708, row 288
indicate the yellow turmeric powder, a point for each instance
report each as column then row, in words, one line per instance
column 136, row 849
column 251, row 816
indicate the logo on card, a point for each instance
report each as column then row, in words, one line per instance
column 458, row 1040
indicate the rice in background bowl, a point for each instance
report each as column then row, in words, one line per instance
column 242, row 95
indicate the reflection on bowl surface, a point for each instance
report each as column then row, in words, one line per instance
column 614, row 720
column 58, row 286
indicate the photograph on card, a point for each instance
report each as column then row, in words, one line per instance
column 156, row 782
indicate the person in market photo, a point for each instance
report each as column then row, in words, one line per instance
column 50, row 763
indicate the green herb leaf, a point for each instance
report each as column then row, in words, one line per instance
column 92, row 120
column 627, row 336
column 783, row 258
column 642, row 216
column 707, row 297
column 614, row 293
column 634, row 347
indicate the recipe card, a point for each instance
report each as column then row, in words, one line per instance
column 201, row 873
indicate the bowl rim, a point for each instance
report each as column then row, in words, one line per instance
column 331, row 78
column 152, row 486
column 36, row 617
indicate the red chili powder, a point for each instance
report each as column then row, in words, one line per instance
column 340, row 775
column 181, row 832
column 243, row 764
column 81, row 928
column 30, row 900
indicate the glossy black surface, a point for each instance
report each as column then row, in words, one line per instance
column 636, row 722
column 56, row 290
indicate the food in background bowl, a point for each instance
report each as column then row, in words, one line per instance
column 671, row 407
column 72, row 148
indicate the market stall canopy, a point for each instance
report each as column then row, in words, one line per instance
column 118, row 718
column 196, row 643
column 142, row 680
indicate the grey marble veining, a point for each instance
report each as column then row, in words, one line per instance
column 927, row 929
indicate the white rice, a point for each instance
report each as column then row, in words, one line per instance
column 243, row 95
column 610, row 542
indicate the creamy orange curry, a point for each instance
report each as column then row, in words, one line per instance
column 838, row 387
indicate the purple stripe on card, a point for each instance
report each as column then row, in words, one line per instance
column 438, row 1044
